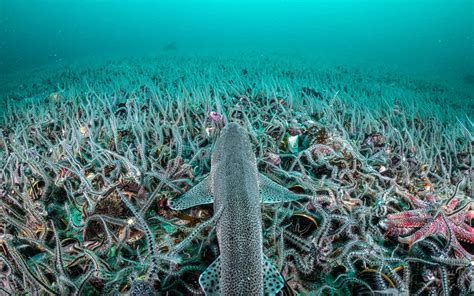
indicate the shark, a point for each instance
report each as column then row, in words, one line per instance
column 237, row 190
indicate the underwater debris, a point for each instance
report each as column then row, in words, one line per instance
column 172, row 46
column 83, row 130
column 303, row 224
column 293, row 145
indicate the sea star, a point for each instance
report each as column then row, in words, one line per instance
column 434, row 217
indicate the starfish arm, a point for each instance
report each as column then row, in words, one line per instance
column 451, row 228
column 428, row 229
column 419, row 213
column 409, row 222
column 469, row 216
column 459, row 250
column 398, row 231
column 464, row 233
column 452, row 204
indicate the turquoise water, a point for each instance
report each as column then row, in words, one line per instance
column 360, row 154
column 433, row 36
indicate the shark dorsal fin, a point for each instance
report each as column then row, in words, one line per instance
column 271, row 192
column 272, row 280
column 209, row 279
column 198, row 195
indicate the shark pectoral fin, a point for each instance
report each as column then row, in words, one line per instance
column 209, row 279
column 273, row 282
column 271, row 192
column 198, row 195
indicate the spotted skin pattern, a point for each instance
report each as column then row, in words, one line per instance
column 237, row 191
column 239, row 232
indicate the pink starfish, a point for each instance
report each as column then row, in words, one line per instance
column 433, row 217
column 215, row 117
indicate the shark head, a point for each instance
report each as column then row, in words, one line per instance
column 233, row 142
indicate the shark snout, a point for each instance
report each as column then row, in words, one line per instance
column 233, row 130
column 233, row 127
column 233, row 143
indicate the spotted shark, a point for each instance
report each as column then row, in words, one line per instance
column 237, row 191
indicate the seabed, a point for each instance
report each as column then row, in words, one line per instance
column 91, row 155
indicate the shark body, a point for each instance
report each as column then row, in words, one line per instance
column 237, row 191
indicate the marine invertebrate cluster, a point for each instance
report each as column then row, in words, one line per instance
column 88, row 175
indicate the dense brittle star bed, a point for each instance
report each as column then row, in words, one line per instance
column 91, row 158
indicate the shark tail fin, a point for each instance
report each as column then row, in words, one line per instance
column 198, row 195
column 271, row 192
column 272, row 280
